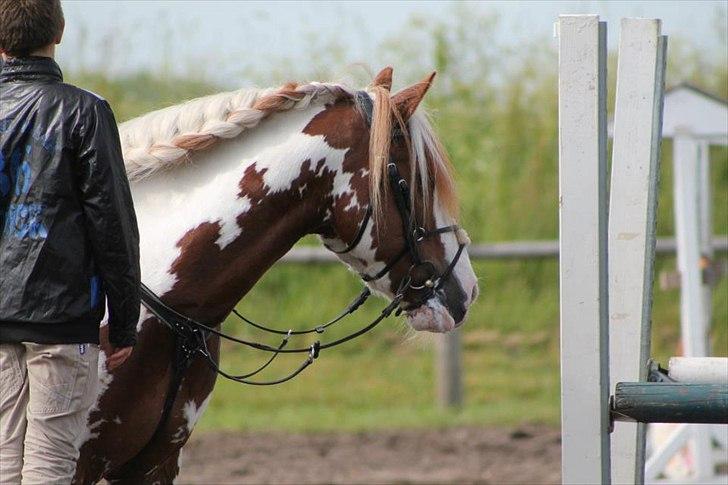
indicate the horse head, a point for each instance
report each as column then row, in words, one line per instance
column 396, row 223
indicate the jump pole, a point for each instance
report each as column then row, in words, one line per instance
column 699, row 370
column 670, row 402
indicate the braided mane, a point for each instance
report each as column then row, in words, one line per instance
column 166, row 138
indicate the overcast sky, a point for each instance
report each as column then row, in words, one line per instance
column 125, row 36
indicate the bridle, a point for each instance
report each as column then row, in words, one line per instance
column 191, row 336
column 412, row 231
column 413, row 235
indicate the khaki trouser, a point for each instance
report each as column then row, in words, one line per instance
column 46, row 392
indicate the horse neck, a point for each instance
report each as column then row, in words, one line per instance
column 210, row 230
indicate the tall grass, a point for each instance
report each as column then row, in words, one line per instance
column 496, row 111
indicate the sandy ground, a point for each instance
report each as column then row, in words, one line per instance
column 525, row 455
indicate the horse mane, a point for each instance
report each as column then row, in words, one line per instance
column 164, row 139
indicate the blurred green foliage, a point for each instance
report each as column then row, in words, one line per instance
column 495, row 109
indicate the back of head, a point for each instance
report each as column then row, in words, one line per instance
column 29, row 25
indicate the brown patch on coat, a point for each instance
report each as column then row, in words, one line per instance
column 210, row 280
column 351, row 134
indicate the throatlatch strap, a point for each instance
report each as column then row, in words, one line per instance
column 359, row 234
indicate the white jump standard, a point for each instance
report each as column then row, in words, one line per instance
column 607, row 259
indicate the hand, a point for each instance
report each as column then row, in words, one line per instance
column 116, row 356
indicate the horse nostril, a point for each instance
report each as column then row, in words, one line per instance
column 458, row 312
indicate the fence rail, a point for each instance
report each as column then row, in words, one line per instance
column 505, row 250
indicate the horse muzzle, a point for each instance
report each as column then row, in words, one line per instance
column 432, row 316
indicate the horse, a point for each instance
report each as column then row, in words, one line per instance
column 223, row 187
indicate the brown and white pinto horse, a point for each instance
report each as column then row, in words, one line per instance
column 223, row 187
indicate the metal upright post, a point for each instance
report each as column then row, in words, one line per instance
column 583, row 249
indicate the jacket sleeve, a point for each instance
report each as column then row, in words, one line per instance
column 111, row 224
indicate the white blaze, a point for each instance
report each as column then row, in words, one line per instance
column 463, row 271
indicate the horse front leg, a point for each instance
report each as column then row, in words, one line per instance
column 157, row 462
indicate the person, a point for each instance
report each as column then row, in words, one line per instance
column 69, row 249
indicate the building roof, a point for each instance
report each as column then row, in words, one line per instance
column 694, row 112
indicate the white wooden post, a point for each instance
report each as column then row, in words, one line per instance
column 705, row 225
column 694, row 306
column 687, row 234
column 632, row 215
column 583, row 249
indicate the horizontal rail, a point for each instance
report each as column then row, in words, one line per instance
column 670, row 402
column 505, row 250
column 699, row 370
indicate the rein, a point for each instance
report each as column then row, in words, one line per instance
column 191, row 336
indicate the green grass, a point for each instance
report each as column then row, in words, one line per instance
column 385, row 379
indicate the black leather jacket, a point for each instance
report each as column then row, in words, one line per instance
column 68, row 233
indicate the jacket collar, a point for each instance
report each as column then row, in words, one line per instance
column 30, row 69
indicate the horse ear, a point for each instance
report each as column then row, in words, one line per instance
column 384, row 78
column 407, row 100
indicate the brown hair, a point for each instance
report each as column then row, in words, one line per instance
column 28, row 25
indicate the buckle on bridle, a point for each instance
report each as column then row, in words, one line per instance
column 431, row 280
